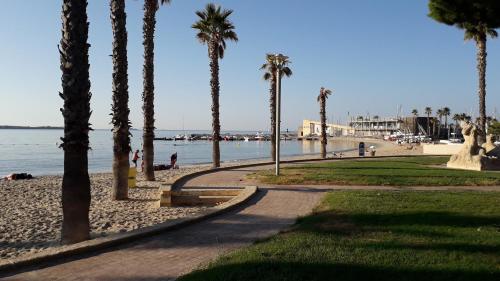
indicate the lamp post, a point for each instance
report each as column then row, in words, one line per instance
column 279, row 60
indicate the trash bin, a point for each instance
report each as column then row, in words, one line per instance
column 361, row 149
column 132, row 173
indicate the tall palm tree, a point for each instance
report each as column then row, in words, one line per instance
column 360, row 118
column 414, row 112
column 270, row 75
column 148, row 30
column 76, row 94
column 446, row 113
column 119, row 108
column 456, row 117
column 479, row 19
column 428, row 111
column 322, row 97
column 440, row 113
column 214, row 28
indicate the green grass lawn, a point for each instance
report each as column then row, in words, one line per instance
column 407, row 171
column 378, row 235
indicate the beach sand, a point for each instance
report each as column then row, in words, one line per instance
column 32, row 215
column 31, row 209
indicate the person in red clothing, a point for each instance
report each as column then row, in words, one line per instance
column 136, row 157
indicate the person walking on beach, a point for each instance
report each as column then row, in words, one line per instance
column 173, row 160
column 136, row 157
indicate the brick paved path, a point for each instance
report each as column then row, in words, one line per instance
column 167, row 256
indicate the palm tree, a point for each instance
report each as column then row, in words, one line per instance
column 446, row 113
column 148, row 30
column 76, row 94
column 479, row 19
column 440, row 114
column 360, row 118
column 119, row 108
column 465, row 117
column 323, row 95
column 270, row 68
column 456, row 117
column 428, row 111
column 414, row 112
column 214, row 28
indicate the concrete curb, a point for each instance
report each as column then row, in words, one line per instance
column 177, row 183
column 118, row 239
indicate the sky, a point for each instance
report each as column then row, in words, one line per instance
column 374, row 55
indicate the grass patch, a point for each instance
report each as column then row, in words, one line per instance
column 377, row 235
column 407, row 171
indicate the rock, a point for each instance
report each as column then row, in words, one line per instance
column 105, row 225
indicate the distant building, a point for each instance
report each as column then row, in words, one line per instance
column 370, row 127
column 313, row 128
column 388, row 126
column 375, row 126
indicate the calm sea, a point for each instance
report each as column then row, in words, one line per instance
column 37, row 151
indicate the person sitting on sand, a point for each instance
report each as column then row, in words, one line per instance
column 22, row 176
column 135, row 158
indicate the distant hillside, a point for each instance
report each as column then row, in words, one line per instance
column 29, row 127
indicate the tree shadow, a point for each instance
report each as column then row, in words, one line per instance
column 274, row 270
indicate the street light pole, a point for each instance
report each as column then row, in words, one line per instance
column 278, row 120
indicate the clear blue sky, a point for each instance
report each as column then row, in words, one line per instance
column 373, row 54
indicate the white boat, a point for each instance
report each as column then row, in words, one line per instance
column 259, row 136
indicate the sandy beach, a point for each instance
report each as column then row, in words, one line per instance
column 32, row 214
column 31, row 209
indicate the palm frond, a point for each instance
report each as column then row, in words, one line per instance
column 287, row 71
column 267, row 76
column 221, row 51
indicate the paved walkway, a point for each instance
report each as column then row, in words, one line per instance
column 167, row 256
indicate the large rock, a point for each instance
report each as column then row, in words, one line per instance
column 472, row 156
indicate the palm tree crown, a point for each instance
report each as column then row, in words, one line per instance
column 414, row 112
column 214, row 26
column 323, row 93
column 270, row 67
column 477, row 18
column 428, row 110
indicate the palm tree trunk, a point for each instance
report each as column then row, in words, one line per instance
column 148, row 92
column 272, row 100
column 214, row 85
column 323, row 126
column 428, row 126
column 76, row 112
column 120, row 110
column 439, row 127
column 446, row 126
column 481, row 68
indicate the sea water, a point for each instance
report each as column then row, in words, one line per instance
column 36, row 151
